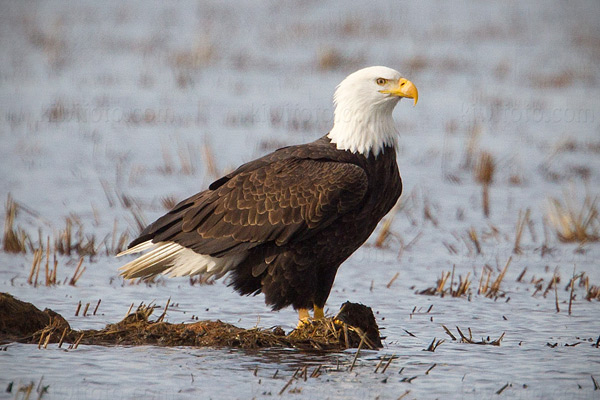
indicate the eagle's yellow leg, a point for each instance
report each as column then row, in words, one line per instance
column 303, row 317
column 319, row 313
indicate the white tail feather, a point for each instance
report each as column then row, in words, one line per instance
column 171, row 259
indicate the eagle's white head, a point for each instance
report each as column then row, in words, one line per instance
column 364, row 102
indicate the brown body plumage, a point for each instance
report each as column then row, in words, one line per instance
column 284, row 223
column 296, row 214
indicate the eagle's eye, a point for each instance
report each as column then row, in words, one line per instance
column 381, row 81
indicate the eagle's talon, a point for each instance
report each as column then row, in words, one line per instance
column 303, row 323
column 303, row 318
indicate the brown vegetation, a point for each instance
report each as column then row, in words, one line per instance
column 469, row 339
column 71, row 241
column 487, row 287
column 575, row 224
column 440, row 288
column 15, row 238
column 484, row 174
column 354, row 326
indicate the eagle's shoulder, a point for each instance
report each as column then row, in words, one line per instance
column 320, row 149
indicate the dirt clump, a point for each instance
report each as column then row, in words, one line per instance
column 25, row 323
column 19, row 320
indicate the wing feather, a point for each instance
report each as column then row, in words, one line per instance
column 280, row 201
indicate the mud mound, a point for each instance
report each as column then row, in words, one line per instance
column 19, row 320
column 354, row 326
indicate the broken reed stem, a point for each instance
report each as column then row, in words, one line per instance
column 434, row 345
column 37, row 271
column 77, row 274
column 304, row 373
column 77, row 342
column 448, row 332
column 430, row 368
column 360, row 345
column 47, row 340
column 66, row 237
column 129, row 311
column 316, row 372
column 387, row 364
column 37, row 258
column 54, row 270
column 555, row 293
column 41, row 339
column 403, row 395
column 162, row 316
column 48, row 261
column 463, row 286
column 496, row 284
column 97, row 305
column 474, row 239
column 389, row 284
column 62, row 338
column 384, row 232
column 571, row 292
column 481, row 280
column 442, row 282
column 486, row 200
column 287, row 384
column 385, row 228
column 499, row 391
column 521, row 221
column 487, row 281
column 381, row 360
column 484, row 174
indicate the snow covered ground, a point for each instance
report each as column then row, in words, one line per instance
column 109, row 108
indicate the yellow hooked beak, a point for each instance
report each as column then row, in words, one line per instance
column 405, row 88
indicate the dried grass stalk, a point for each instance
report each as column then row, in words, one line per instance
column 209, row 160
column 14, row 239
column 573, row 224
column 484, row 174
column 495, row 287
column 461, row 290
column 521, row 222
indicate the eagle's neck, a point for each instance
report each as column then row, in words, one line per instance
column 363, row 129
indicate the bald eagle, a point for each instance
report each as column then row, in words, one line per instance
column 284, row 223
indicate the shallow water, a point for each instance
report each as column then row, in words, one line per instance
column 124, row 93
column 524, row 359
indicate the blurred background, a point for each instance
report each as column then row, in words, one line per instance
column 135, row 94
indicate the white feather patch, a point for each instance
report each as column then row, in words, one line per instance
column 363, row 119
column 171, row 259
